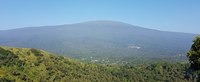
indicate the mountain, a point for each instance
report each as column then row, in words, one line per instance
column 99, row 39
column 32, row 65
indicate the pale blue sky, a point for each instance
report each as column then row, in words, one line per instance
column 167, row 15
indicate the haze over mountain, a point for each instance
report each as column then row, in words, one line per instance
column 99, row 38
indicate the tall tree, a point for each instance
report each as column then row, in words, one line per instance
column 194, row 54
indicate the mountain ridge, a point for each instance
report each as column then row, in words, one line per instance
column 94, row 21
column 99, row 39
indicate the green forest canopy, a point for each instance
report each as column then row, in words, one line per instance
column 25, row 64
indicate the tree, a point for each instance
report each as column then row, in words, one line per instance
column 194, row 54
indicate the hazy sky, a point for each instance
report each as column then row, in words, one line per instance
column 167, row 15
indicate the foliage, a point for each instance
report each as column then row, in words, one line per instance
column 194, row 54
column 32, row 65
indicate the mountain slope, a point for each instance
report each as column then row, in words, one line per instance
column 32, row 65
column 99, row 38
column 23, row 64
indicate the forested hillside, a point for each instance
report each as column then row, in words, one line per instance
column 32, row 65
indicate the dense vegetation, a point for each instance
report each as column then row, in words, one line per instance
column 32, row 65
column 194, row 54
column 194, row 57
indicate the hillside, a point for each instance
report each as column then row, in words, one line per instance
column 32, row 65
column 100, row 39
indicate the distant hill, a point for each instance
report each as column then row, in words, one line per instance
column 32, row 65
column 99, row 39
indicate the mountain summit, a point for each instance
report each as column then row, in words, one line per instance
column 99, row 38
